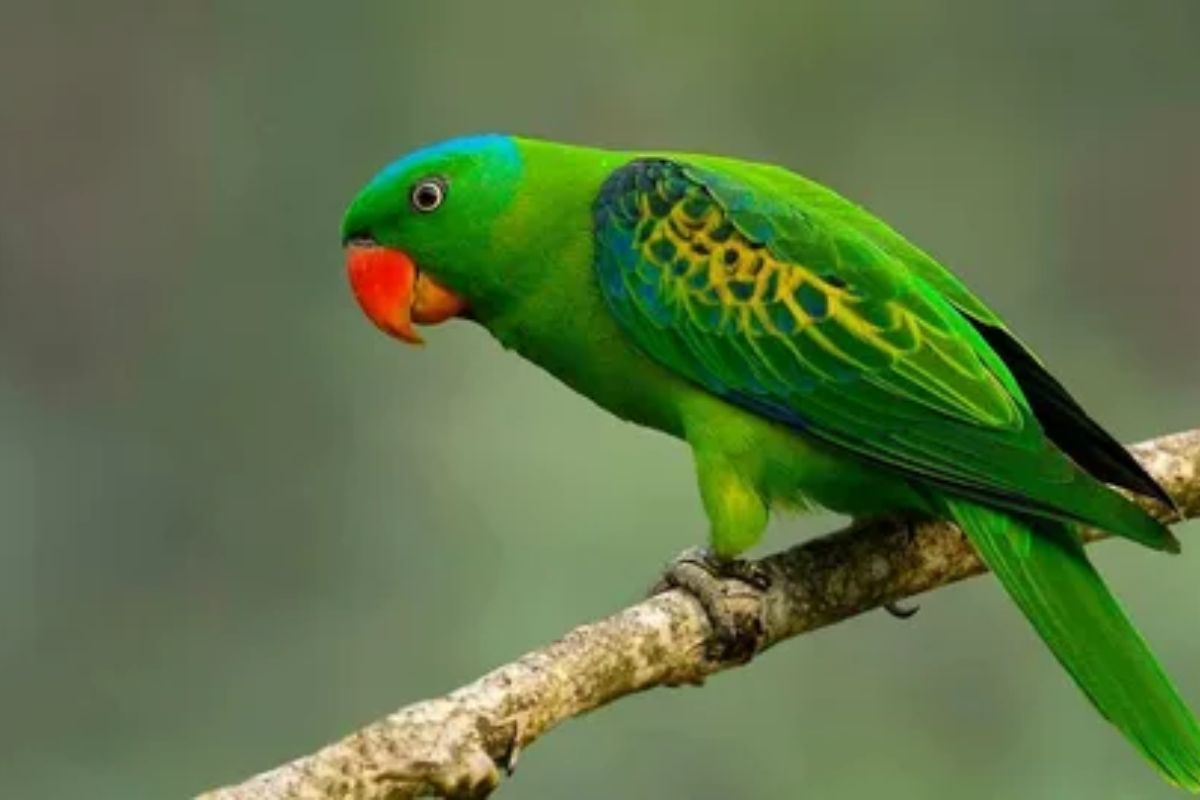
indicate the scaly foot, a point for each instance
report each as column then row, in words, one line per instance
column 735, row 614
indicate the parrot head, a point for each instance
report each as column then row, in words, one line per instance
column 419, row 238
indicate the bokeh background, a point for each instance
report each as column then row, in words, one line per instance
column 236, row 522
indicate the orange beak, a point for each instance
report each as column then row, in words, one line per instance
column 394, row 294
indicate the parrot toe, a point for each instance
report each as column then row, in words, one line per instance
column 730, row 592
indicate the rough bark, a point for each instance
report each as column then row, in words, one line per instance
column 455, row 746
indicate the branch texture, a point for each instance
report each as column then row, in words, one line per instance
column 455, row 746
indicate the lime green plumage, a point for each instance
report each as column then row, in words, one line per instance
column 803, row 317
column 808, row 354
column 1044, row 569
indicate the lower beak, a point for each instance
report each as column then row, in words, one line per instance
column 394, row 294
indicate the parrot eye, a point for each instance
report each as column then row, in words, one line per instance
column 427, row 195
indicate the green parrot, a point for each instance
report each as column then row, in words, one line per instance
column 807, row 353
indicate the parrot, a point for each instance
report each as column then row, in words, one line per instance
column 808, row 354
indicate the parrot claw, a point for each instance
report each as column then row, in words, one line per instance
column 908, row 523
column 734, row 613
column 901, row 612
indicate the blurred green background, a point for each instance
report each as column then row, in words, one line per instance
column 236, row 522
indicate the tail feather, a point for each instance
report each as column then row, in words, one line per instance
column 1049, row 576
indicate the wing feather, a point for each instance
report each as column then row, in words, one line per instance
column 806, row 319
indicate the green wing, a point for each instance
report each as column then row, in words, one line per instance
column 798, row 312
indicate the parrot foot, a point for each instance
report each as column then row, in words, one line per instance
column 730, row 592
column 908, row 523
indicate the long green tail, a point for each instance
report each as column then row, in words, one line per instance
column 1051, row 579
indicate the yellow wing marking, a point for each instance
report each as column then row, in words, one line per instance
column 712, row 265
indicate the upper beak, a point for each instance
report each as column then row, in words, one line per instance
column 394, row 293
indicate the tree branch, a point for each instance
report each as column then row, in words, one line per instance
column 454, row 746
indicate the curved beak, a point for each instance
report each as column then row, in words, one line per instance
column 394, row 293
